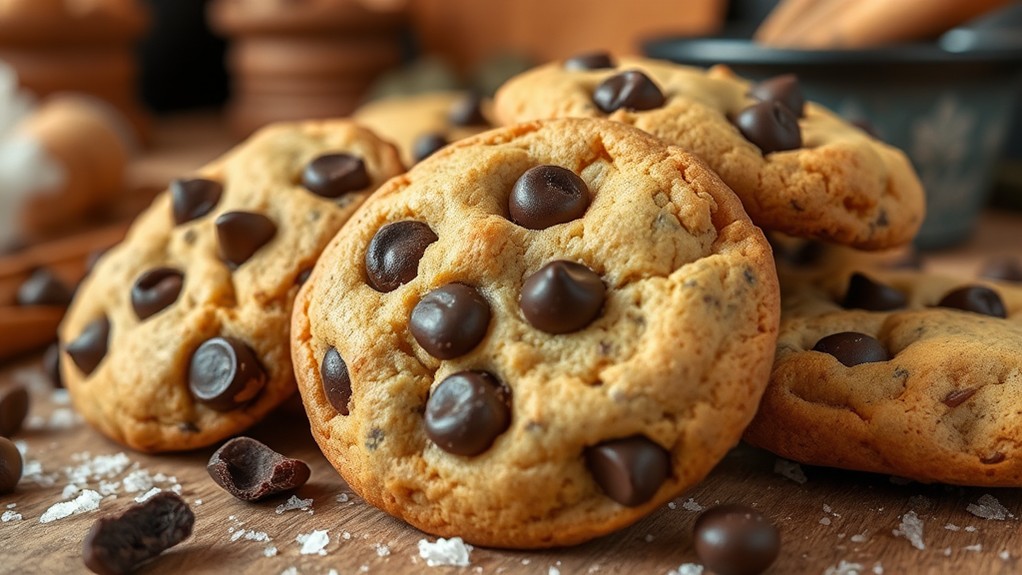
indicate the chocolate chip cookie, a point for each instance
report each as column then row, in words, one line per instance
column 178, row 337
column 797, row 167
column 538, row 335
column 898, row 372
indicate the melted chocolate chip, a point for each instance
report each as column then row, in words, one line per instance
column 155, row 290
column 467, row 111
column 864, row 293
column 51, row 364
column 250, row 471
column 450, row 321
column 784, row 89
column 589, row 61
column 241, row 234
column 10, row 465
column 978, row 299
column 770, row 126
column 13, row 408
column 467, row 411
column 43, row 288
column 562, row 297
column 426, row 145
column 547, row 195
column 630, row 470
column 630, row 90
column 959, row 396
column 333, row 175
column 1004, row 268
column 394, row 253
column 191, row 199
column 336, row 381
column 89, row 349
column 224, row 373
column 736, row 540
column 121, row 543
column 851, row 348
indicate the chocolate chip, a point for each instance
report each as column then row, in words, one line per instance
column 303, row 276
column 10, row 465
column 155, row 290
column 191, row 199
column 959, row 396
column 333, row 175
column 631, row 90
column 736, row 540
column 426, row 145
column 468, row 111
column 978, row 299
column 241, row 234
column 392, row 258
column 51, row 364
column 250, row 471
column 1004, row 268
column 630, row 470
column 996, row 457
column 120, row 543
column 450, row 321
column 770, row 126
column 547, row 195
column 784, row 89
column 562, row 297
column 44, row 288
column 91, row 345
column 589, row 61
column 224, row 373
column 13, row 408
column 468, row 411
column 336, row 381
column 864, row 293
column 851, row 348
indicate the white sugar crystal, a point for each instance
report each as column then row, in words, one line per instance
column 975, row 548
column 687, row 569
column 314, row 543
column 988, row 507
column 87, row 501
column 145, row 496
column 825, row 521
column 790, row 470
column 692, row 506
column 342, row 498
column 137, row 480
column 293, row 503
column 451, row 551
column 911, row 528
column 952, row 527
column 10, row 516
column 845, row 568
column 270, row 551
column 381, row 549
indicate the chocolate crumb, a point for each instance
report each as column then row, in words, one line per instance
column 119, row 543
column 250, row 471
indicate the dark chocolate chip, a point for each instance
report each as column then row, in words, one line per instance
column 851, row 348
column 996, row 457
column 959, row 396
column 13, row 408
column 770, row 126
column 736, row 540
column 250, row 471
column 333, row 175
column 91, row 345
column 562, row 297
column 589, row 61
column 10, row 465
column 121, row 543
column 467, row 111
column 191, row 199
column 784, row 89
column 224, row 373
column 155, row 290
column 336, row 380
column 630, row 90
column 548, row 195
column 630, row 470
column 1004, row 268
column 44, row 288
column 241, row 234
column 426, row 145
column 51, row 364
column 392, row 258
column 978, row 299
column 303, row 276
column 864, row 293
column 450, row 321
column 467, row 412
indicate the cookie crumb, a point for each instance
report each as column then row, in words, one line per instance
column 451, row 551
column 790, row 470
column 988, row 507
column 293, row 503
column 87, row 501
column 911, row 528
column 687, row 569
column 314, row 543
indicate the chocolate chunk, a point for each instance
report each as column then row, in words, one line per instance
column 548, row 195
column 303, row 276
column 10, row 465
column 468, row 111
column 784, row 89
column 426, row 145
column 851, row 348
column 562, row 297
column 631, row 90
column 51, row 364
column 959, row 396
column 120, row 543
column 1004, row 268
column 468, row 411
column 450, row 321
column 13, row 408
column 589, row 61
column 392, row 258
column 155, row 290
column 864, row 293
column 770, row 126
column 44, row 288
column 250, row 471
column 978, row 299
column 333, row 175
column 224, row 373
column 336, row 380
column 736, row 540
column 241, row 234
column 630, row 470
column 91, row 345
column 191, row 199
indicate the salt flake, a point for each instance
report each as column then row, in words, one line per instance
column 451, row 551
column 87, row 501
column 790, row 470
column 314, row 543
column 911, row 528
column 988, row 507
